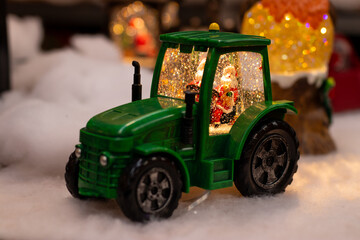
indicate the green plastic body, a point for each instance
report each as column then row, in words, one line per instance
column 153, row 126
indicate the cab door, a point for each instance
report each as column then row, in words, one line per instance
column 237, row 84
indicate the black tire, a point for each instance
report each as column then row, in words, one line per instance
column 72, row 176
column 268, row 161
column 149, row 189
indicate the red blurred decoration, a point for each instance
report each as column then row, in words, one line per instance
column 345, row 69
column 142, row 42
column 4, row 51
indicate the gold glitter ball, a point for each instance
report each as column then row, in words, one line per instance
column 304, row 47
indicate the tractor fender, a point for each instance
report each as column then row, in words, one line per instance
column 152, row 149
column 251, row 117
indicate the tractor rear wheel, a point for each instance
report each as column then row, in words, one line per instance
column 269, row 160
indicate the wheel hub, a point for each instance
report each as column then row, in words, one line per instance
column 270, row 162
column 154, row 190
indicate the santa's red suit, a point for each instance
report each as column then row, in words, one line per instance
column 224, row 102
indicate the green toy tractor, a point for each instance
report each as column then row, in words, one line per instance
column 210, row 122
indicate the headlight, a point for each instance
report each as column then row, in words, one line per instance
column 103, row 160
column 78, row 152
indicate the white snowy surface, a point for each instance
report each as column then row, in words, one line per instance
column 25, row 36
column 53, row 96
column 313, row 76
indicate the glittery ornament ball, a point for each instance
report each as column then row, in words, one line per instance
column 295, row 46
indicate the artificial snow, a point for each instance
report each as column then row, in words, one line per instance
column 53, row 96
column 313, row 76
column 25, row 36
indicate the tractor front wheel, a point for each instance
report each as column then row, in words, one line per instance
column 72, row 176
column 150, row 188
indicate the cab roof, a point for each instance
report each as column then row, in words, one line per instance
column 214, row 39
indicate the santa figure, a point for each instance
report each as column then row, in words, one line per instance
column 196, row 83
column 224, row 104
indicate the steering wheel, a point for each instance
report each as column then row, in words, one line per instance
column 193, row 87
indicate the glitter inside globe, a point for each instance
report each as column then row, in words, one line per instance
column 238, row 83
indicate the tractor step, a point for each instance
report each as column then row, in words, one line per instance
column 222, row 175
column 221, row 164
column 217, row 173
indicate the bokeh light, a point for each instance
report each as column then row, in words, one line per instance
column 135, row 29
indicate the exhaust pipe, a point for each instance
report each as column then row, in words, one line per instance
column 187, row 133
column 136, row 87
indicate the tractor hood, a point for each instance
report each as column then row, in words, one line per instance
column 133, row 118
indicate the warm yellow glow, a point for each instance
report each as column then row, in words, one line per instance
column 139, row 23
column 295, row 46
column 166, row 18
column 138, row 6
column 169, row 15
column 118, row 29
column 125, row 12
column 130, row 31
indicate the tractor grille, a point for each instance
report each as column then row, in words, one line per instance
column 92, row 172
